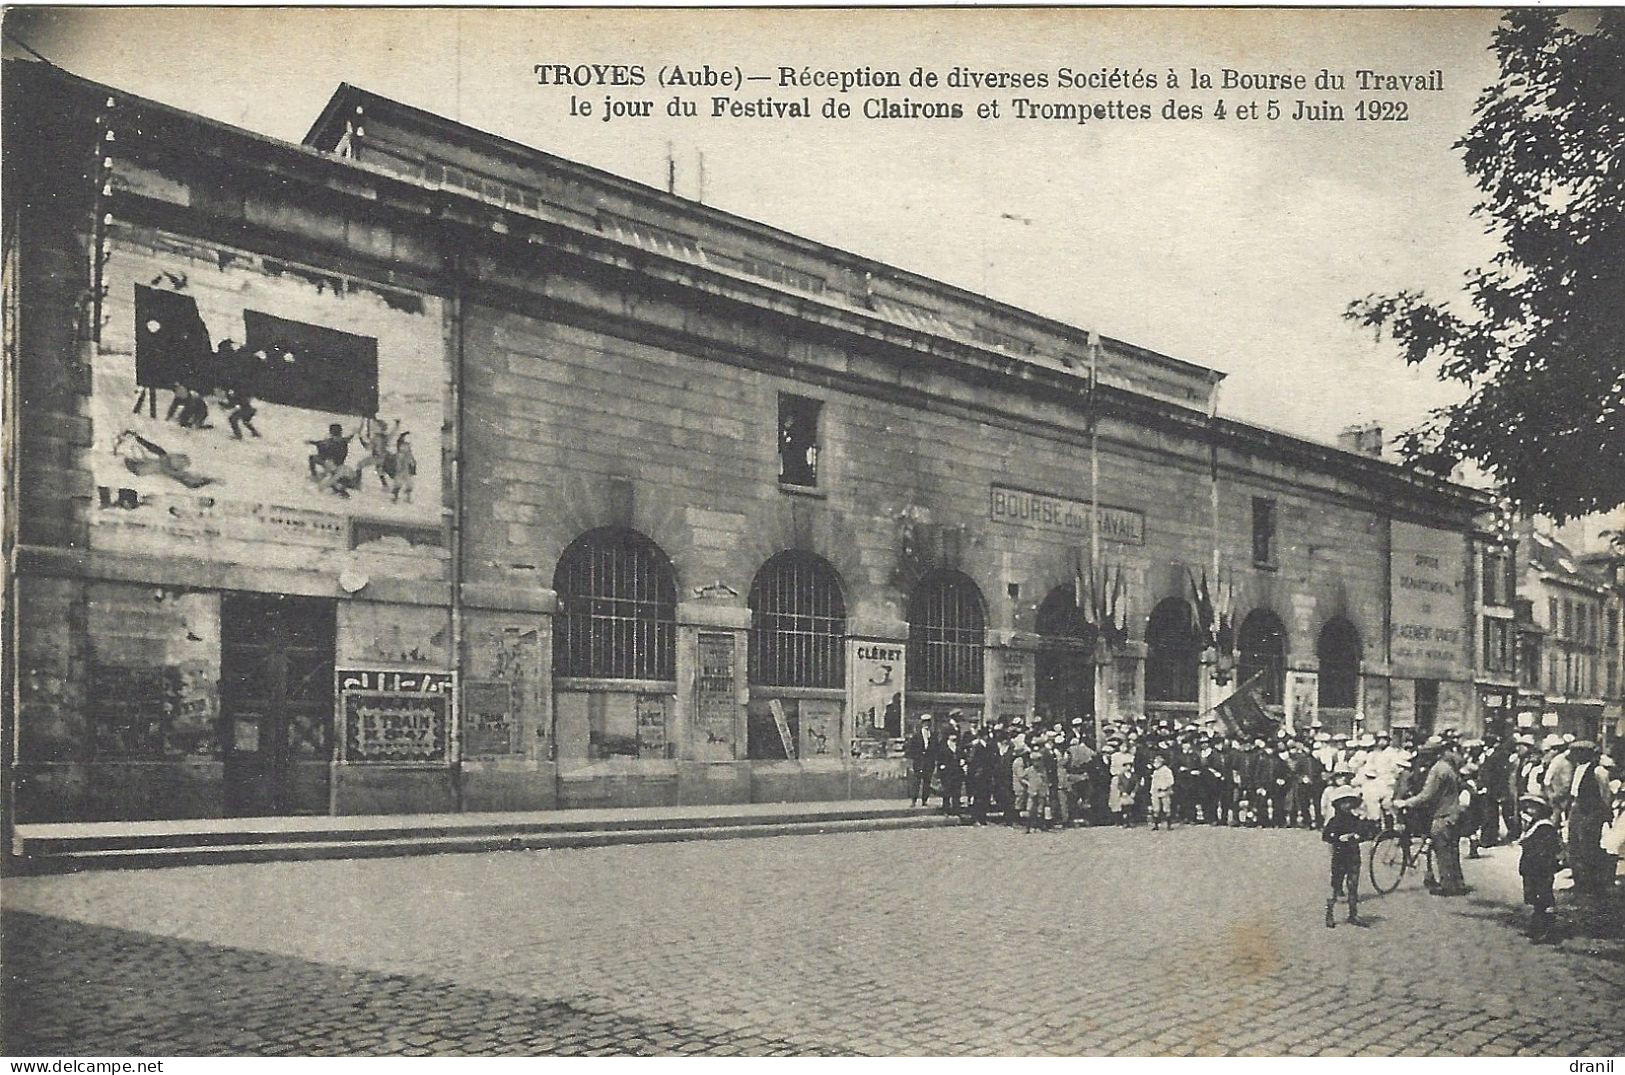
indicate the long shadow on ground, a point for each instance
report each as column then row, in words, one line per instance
column 76, row 989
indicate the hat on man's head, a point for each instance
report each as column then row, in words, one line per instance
column 924, row 717
column 1583, row 744
column 1433, row 745
column 1552, row 742
column 1534, row 801
column 1344, row 795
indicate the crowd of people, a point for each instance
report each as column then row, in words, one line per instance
column 1446, row 789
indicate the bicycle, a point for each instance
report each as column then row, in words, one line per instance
column 1395, row 853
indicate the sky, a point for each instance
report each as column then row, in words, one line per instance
column 1234, row 244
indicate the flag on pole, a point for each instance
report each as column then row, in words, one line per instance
column 1244, row 717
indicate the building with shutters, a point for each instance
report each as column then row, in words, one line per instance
column 412, row 469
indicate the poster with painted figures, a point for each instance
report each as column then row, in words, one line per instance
column 239, row 399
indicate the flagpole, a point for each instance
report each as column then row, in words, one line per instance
column 1094, row 521
column 1213, row 522
column 1213, row 476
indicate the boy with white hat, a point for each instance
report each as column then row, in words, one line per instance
column 1342, row 834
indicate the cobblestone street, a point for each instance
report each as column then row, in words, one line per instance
column 956, row 941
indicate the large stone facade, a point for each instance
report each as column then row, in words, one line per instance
column 580, row 363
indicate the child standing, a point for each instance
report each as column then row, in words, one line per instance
column 1162, row 793
column 1342, row 832
column 1537, row 865
column 1038, row 785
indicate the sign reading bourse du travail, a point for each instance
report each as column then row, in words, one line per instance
column 1023, row 507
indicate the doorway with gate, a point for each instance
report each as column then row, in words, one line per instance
column 276, row 702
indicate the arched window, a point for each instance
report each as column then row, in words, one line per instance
column 1065, row 681
column 617, row 608
column 945, row 635
column 1262, row 652
column 798, row 631
column 1173, row 653
column 1339, row 651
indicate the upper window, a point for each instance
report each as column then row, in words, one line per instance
column 946, row 632
column 617, row 608
column 1499, row 585
column 798, row 440
column 798, row 630
column 1263, row 531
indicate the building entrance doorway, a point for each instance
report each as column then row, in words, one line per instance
column 1064, row 680
column 276, row 702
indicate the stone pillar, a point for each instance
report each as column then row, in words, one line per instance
column 1010, row 672
column 508, row 743
column 874, row 778
column 712, row 688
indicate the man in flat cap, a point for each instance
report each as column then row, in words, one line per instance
column 1438, row 808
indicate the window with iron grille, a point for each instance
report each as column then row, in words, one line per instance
column 946, row 632
column 798, row 632
column 617, row 608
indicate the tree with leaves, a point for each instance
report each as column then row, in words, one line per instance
column 1542, row 348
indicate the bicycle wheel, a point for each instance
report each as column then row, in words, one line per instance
column 1388, row 862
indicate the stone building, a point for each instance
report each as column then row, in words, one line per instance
column 1576, row 605
column 412, row 469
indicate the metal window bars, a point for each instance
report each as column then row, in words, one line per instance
column 799, row 624
column 945, row 636
column 617, row 609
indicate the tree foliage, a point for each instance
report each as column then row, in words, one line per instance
column 1542, row 349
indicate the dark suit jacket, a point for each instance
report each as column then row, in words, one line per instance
column 922, row 750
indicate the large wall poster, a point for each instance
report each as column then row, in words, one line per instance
column 238, row 401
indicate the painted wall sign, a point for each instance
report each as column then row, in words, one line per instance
column 875, row 690
column 238, row 401
column 820, row 727
column 651, row 711
column 716, row 696
column 488, row 718
column 1429, row 637
column 1401, row 703
column 1455, row 706
column 1012, row 684
column 1023, row 507
column 1302, row 699
column 393, row 717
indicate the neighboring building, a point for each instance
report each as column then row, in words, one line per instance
column 1608, row 565
column 412, row 469
column 1531, row 697
column 1568, row 600
column 1498, row 630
